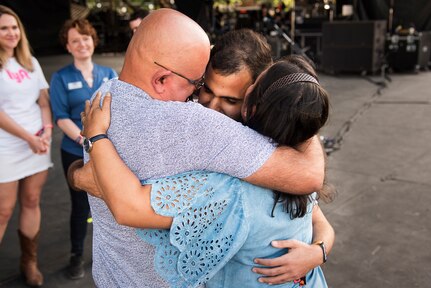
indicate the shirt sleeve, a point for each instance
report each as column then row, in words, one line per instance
column 227, row 146
column 208, row 228
column 59, row 103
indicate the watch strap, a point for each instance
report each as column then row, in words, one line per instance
column 88, row 143
column 98, row 137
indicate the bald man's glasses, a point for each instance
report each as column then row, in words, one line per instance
column 197, row 83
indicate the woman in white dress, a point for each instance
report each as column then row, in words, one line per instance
column 25, row 137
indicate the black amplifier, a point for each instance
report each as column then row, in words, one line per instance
column 410, row 52
column 353, row 46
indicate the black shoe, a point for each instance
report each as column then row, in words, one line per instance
column 76, row 268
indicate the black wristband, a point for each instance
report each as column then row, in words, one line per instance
column 88, row 143
column 322, row 245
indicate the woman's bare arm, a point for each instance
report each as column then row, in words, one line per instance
column 45, row 109
column 9, row 125
column 106, row 175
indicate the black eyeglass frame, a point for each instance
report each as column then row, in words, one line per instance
column 197, row 83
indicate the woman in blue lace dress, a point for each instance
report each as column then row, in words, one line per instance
column 220, row 223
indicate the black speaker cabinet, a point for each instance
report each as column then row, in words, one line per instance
column 410, row 52
column 353, row 46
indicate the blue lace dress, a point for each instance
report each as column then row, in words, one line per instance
column 220, row 225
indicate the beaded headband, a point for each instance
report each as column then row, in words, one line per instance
column 290, row 79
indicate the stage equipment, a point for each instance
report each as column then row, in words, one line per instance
column 409, row 52
column 353, row 46
column 248, row 17
column 391, row 16
column 294, row 47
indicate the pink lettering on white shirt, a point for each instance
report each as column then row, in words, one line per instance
column 18, row 76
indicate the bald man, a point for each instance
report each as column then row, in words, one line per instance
column 157, row 134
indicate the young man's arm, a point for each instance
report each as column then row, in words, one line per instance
column 301, row 257
column 293, row 171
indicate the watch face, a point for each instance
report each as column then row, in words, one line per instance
column 87, row 145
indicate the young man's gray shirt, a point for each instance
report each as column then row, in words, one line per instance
column 156, row 139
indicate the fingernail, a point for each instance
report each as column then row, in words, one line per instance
column 273, row 243
column 254, row 270
column 108, row 94
column 255, row 261
column 260, row 280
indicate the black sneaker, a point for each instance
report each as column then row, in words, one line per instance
column 75, row 270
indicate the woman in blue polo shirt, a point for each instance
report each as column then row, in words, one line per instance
column 70, row 87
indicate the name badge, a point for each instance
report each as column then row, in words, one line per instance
column 74, row 85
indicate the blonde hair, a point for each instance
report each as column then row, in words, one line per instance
column 22, row 50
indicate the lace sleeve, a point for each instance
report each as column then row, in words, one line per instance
column 208, row 229
column 174, row 194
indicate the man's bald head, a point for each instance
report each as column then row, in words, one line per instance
column 170, row 38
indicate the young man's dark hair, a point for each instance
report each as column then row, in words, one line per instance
column 239, row 48
column 139, row 14
column 136, row 18
column 236, row 60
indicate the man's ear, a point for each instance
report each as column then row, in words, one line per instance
column 159, row 81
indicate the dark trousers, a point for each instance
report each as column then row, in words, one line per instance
column 80, row 209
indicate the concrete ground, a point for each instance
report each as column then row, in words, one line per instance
column 381, row 169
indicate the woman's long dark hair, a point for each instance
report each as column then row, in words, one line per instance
column 290, row 115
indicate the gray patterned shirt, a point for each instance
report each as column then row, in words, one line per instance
column 156, row 139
